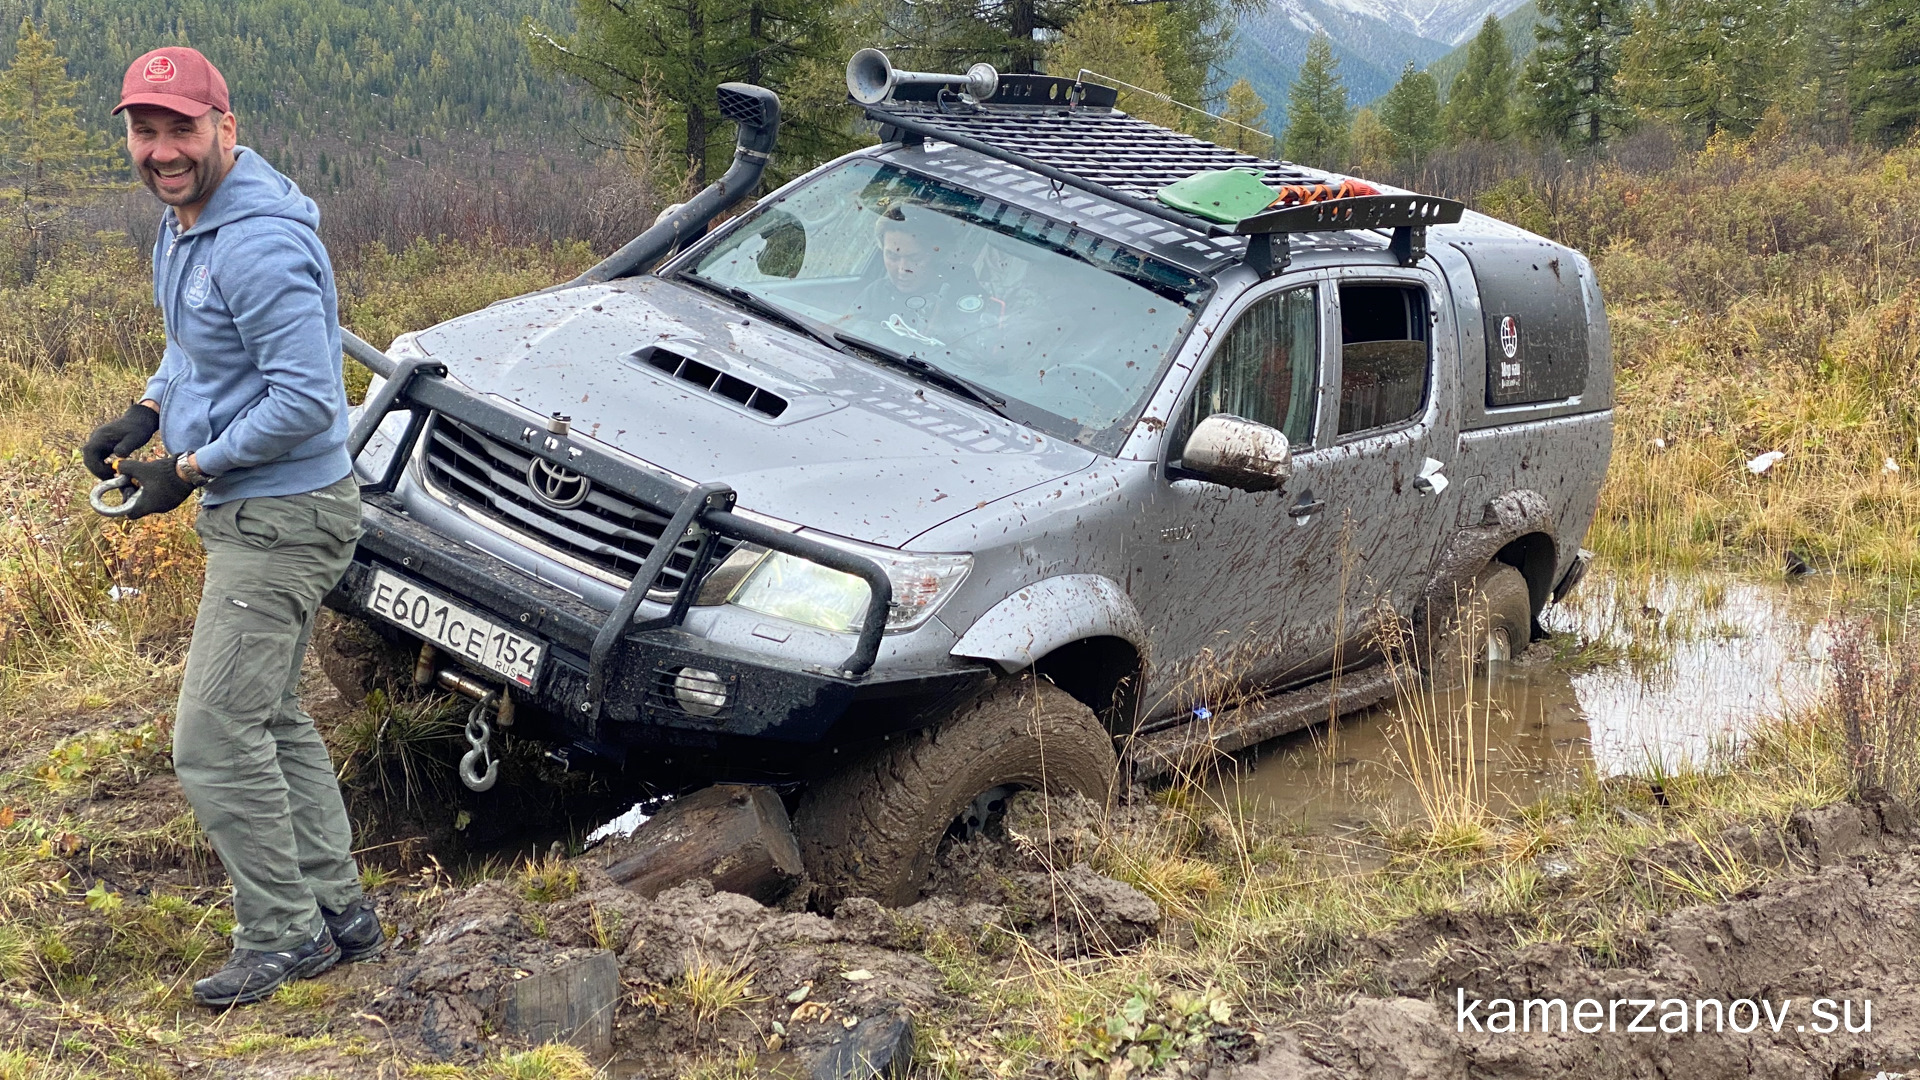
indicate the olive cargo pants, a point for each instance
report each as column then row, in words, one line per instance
column 248, row 758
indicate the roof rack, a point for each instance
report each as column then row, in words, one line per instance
column 1068, row 131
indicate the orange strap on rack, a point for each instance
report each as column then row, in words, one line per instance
column 1301, row 194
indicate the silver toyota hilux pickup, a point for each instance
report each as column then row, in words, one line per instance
column 972, row 462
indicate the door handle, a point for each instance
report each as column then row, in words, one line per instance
column 1431, row 480
column 1306, row 508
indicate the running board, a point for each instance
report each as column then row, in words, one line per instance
column 1197, row 742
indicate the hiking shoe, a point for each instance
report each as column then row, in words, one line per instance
column 357, row 931
column 251, row 974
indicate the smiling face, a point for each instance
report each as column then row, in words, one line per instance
column 181, row 159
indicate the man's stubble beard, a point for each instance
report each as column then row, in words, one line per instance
column 204, row 179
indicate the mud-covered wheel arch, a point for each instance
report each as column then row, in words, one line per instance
column 873, row 828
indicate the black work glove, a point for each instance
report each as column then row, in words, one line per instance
column 159, row 487
column 118, row 439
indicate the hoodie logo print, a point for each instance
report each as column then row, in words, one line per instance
column 159, row 69
column 198, row 283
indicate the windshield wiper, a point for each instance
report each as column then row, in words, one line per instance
column 846, row 343
column 767, row 309
column 929, row 372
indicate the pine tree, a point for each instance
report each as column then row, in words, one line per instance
column 1885, row 90
column 676, row 51
column 48, row 157
column 1317, row 114
column 1246, row 111
column 1480, row 101
column 1570, row 90
column 1411, row 113
column 1712, row 66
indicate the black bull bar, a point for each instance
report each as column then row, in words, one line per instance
column 421, row 387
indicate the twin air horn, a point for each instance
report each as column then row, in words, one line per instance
column 872, row 80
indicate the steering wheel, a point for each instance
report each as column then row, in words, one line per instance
column 1121, row 395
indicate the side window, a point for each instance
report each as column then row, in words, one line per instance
column 1383, row 355
column 1265, row 368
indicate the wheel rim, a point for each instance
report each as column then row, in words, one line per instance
column 986, row 808
column 1499, row 646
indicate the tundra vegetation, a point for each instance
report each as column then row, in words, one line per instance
column 1763, row 297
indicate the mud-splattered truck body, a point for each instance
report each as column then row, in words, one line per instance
column 870, row 522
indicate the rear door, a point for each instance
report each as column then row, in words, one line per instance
column 1382, row 493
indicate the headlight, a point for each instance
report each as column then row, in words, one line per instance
column 789, row 587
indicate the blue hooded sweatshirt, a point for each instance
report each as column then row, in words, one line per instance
column 251, row 382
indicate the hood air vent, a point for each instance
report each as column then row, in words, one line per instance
column 713, row 381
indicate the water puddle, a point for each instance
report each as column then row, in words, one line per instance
column 1642, row 675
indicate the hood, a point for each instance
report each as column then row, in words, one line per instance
column 800, row 431
column 254, row 188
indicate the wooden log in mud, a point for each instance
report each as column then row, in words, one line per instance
column 736, row 836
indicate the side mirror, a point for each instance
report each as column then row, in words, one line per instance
column 1238, row 453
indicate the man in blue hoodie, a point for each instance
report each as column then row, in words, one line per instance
column 251, row 407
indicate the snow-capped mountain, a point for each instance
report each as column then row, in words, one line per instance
column 1448, row 21
column 1372, row 41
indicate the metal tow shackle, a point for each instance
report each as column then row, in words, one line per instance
column 128, row 499
column 479, row 732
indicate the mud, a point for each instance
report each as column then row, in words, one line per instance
column 1847, row 930
column 807, row 981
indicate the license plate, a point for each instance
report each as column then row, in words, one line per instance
column 455, row 629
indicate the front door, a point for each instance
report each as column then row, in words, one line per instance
column 1233, row 584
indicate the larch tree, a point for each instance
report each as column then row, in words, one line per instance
column 1480, row 101
column 1570, row 91
column 1317, row 113
column 47, row 156
column 1121, row 42
column 1246, row 116
column 1371, row 148
column 1411, row 113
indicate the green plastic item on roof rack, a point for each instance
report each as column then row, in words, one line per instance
column 1222, row 195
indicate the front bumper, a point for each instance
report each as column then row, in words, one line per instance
column 780, row 716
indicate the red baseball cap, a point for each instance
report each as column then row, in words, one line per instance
column 176, row 78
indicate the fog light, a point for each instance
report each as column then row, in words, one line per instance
column 700, row 693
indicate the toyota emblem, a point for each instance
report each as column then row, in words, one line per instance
column 557, row 485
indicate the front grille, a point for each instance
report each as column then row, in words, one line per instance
column 608, row 531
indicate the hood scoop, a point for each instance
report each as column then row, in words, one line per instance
column 713, row 380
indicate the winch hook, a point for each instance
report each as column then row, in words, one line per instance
column 479, row 733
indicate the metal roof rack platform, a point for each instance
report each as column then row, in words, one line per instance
column 1069, row 131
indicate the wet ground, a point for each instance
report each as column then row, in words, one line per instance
column 1641, row 675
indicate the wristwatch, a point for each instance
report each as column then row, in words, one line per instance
column 190, row 472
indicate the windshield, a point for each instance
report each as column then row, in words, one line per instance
column 1069, row 328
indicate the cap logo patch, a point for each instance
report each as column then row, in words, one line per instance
column 159, row 69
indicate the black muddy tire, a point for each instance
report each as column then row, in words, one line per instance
column 873, row 828
column 1491, row 619
column 357, row 659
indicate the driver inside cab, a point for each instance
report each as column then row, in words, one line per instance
column 945, row 301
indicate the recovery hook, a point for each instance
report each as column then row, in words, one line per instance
column 479, row 734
